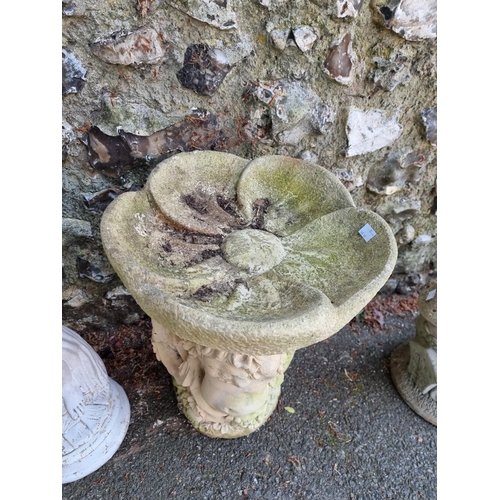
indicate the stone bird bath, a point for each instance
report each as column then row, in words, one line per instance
column 240, row 263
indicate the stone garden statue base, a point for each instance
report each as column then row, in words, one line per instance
column 222, row 394
column 240, row 263
column 414, row 364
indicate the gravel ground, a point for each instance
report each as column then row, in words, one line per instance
column 351, row 436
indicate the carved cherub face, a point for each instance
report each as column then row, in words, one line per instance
column 242, row 370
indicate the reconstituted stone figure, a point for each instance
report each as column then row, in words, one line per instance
column 414, row 364
column 95, row 409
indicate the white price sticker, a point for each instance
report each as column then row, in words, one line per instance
column 431, row 295
column 367, row 232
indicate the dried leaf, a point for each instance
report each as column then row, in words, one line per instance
column 378, row 316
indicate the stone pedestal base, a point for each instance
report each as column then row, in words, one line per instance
column 423, row 404
column 95, row 410
column 103, row 444
column 223, row 395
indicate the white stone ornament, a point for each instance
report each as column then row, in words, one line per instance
column 95, row 409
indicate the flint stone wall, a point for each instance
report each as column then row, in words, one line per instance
column 350, row 85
